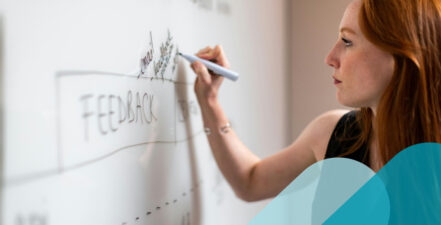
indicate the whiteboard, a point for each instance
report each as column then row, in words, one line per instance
column 100, row 122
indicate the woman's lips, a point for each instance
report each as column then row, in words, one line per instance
column 336, row 81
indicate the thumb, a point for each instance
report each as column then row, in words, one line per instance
column 202, row 72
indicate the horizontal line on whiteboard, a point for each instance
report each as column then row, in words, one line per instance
column 72, row 73
column 44, row 174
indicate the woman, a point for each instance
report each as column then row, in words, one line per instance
column 387, row 65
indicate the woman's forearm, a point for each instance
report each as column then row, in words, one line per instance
column 234, row 159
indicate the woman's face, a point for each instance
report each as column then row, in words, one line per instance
column 362, row 71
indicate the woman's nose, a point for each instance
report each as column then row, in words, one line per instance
column 332, row 59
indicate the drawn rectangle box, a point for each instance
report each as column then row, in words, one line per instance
column 100, row 114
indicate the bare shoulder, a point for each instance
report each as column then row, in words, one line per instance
column 318, row 132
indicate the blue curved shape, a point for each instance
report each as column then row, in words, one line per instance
column 406, row 191
column 370, row 205
column 317, row 193
column 413, row 183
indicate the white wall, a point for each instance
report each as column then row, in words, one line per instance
column 314, row 31
column 56, row 51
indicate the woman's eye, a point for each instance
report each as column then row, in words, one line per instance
column 346, row 42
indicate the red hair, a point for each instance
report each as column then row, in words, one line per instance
column 409, row 111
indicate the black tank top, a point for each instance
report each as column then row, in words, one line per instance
column 344, row 136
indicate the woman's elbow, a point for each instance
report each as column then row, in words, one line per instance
column 248, row 196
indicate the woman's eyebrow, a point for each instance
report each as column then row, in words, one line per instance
column 348, row 30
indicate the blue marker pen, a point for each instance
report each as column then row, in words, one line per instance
column 215, row 68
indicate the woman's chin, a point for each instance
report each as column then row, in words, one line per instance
column 348, row 101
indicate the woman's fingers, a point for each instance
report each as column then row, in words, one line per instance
column 202, row 72
column 207, row 53
column 215, row 54
column 207, row 84
column 220, row 57
column 205, row 50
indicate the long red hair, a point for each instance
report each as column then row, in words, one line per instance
column 409, row 111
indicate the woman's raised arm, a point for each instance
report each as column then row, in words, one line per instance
column 252, row 178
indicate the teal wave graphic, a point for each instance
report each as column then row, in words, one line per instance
column 413, row 183
column 341, row 191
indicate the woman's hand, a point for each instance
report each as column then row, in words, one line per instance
column 207, row 84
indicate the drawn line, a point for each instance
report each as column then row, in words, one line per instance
column 58, row 118
column 53, row 172
column 61, row 74
column 167, row 203
column 176, row 113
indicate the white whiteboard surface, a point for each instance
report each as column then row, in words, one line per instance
column 91, row 136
